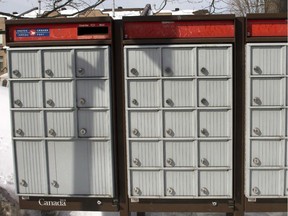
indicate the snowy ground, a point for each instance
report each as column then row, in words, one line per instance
column 6, row 168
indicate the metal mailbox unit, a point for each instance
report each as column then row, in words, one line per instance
column 266, row 167
column 178, row 74
column 61, row 113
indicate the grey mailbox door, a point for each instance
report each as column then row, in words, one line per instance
column 179, row 121
column 266, row 120
column 61, row 120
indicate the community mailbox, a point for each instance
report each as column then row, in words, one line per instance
column 61, row 107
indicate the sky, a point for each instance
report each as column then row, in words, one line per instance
column 20, row 6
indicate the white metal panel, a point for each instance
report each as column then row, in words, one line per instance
column 215, row 183
column 178, row 124
column 26, row 94
column 267, row 153
column 25, row 64
column 60, row 123
column 267, row 92
column 92, row 62
column 215, row 93
column 180, row 153
column 27, row 124
column 57, row 63
column 80, row 168
column 214, row 61
column 286, row 184
column 58, row 94
column 93, row 123
column 143, row 62
column 31, row 167
column 144, row 124
column 145, row 183
column 93, row 93
column 267, row 122
column 268, row 59
column 214, row 123
column 178, row 93
column 145, row 154
column 215, row 154
column 144, row 93
column 266, row 183
column 180, row 183
column 178, row 61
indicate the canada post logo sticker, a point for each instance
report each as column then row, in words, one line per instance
column 37, row 32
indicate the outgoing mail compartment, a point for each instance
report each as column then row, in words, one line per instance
column 145, row 154
column 143, row 93
column 215, row 154
column 26, row 94
column 216, row 123
column 27, row 124
column 180, row 183
column 267, row 92
column 179, row 124
column 93, row 123
column 178, row 93
column 180, row 153
column 93, row 93
column 267, row 122
column 214, row 92
column 144, row 124
column 267, row 153
column 179, row 62
column 59, row 94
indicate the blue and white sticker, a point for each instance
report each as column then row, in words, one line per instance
column 38, row 32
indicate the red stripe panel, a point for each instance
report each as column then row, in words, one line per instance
column 267, row 28
column 179, row 29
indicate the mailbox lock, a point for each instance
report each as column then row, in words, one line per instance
column 135, row 102
column 204, row 190
column 137, row 162
column 83, row 131
column 82, row 101
column 257, row 131
column 52, row 132
column 170, row 191
column 256, row 190
column 136, row 132
column 50, row 102
column 204, row 161
column 204, row 131
column 16, row 73
column 169, row 102
column 137, row 190
column 20, row 132
column 23, row 183
column 256, row 161
column 81, row 71
column 204, row 71
column 49, row 72
column 134, row 71
column 170, row 132
column 204, row 101
column 257, row 69
column 168, row 70
column 257, row 100
column 170, row 162
column 54, row 184
column 18, row 103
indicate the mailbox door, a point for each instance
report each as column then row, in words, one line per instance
column 144, row 124
column 215, row 154
column 215, row 183
column 144, row 93
column 145, row 154
column 27, row 124
column 286, row 184
column 180, row 183
column 214, row 123
column 143, row 62
column 93, row 123
column 58, row 94
column 25, row 64
column 178, row 124
column 57, row 63
column 267, row 92
column 180, row 154
column 92, row 62
column 82, row 167
column 214, row 61
column 31, row 167
column 214, row 93
column 93, row 93
column 178, row 61
column 145, row 183
column 60, row 123
column 26, row 94
column 178, row 93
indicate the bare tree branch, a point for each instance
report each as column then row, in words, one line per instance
column 56, row 8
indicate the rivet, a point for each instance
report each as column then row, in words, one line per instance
column 214, row 203
column 99, row 202
column 83, row 131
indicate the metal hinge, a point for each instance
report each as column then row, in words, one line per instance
column 115, row 203
column 231, row 204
